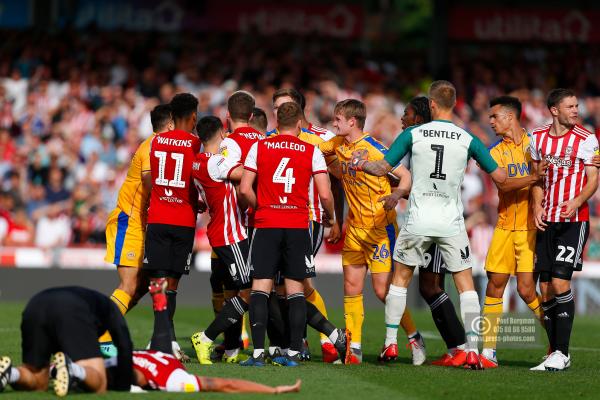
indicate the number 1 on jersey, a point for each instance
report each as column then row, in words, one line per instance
column 288, row 179
column 162, row 161
column 439, row 161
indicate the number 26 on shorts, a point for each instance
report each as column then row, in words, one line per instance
column 380, row 252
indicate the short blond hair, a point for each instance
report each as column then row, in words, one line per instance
column 352, row 108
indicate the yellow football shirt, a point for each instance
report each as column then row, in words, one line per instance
column 513, row 207
column 132, row 192
column 363, row 191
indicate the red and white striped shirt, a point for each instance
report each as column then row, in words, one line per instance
column 567, row 157
column 226, row 224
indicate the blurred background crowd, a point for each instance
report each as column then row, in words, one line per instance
column 75, row 105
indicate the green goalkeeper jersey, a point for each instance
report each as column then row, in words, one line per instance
column 439, row 152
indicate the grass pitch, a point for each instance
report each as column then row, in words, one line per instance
column 399, row 380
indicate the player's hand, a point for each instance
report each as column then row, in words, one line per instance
column 596, row 161
column 202, row 207
column 288, row 388
column 541, row 170
column 568, row 208
column 539, row 217
column 358, row 159
column 335, row 233
column 328, row 222
column 389, row 202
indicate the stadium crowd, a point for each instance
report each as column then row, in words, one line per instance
column 73, row 109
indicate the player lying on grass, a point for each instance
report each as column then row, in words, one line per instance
column 68, row 320
column 87, row 370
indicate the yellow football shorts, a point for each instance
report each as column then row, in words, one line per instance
column 124, row 240
column 370, row 246
column 511, row 252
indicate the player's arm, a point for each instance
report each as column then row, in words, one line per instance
column 486, row 162
column 335, row 233
column 537, row 196
column 401, row 146
column 210, row 384
column 570, row 207
column 246, row 190
column 147, row 183
column 405, row 182
column 324, row 189
column 328, row 147
column 231, row 161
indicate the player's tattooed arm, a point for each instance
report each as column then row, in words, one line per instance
column 535, row 175
column 359, row 162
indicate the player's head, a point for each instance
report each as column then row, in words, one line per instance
column 416, row 112
column 161, row 118
column 184, row 109
column 285, row 95
column 442, row 97
column 505, row 112
column 259, row 120
column 562, row 104
column 349, row 115
column 210, row 129
column 289, row 118
column 239, row 107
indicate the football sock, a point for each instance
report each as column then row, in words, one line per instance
column 549, row 308
column 354, row 315
column 232, row 312
column 492, row 311
column 172, row 306
column 78, row 371
column 161, row 336
column 259, row 316
column 318, row 321
column 232, row 335
column 395, row 305
column 297, row 320
column 218, row 300
column 121, row 299
column 564, row 314
column 315, row 299
column 446, row 320
column 284, row 309
column 15, row 375
column 536, row 307
column 407, row 323
column 470, row 312
column 276, row 326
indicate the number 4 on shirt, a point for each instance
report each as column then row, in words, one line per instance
column 288, row 179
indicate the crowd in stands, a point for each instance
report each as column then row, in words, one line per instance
column 74, row 107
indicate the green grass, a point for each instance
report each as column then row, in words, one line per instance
column 369, row 380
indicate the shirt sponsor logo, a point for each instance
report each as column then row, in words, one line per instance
column 559, row 162
column 521, row 169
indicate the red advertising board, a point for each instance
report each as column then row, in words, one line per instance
column 524, row 25
column 332, row 20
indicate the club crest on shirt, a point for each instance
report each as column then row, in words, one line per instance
column 568, row 150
